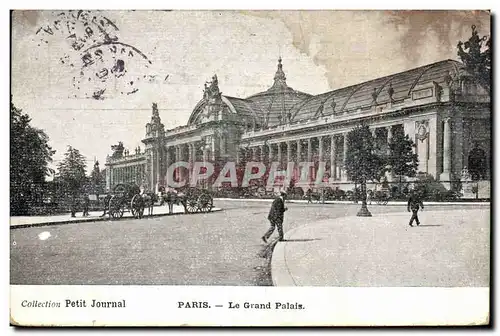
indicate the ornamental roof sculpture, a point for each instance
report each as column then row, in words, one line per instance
column 476, row 56
column 155, row 126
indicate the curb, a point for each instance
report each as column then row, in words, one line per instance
column 351, row 202
column 93, row 220
column 280, row 273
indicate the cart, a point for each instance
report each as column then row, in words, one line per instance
column 192, row 199
column 126, row 198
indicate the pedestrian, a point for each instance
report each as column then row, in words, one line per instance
column 309, row 195
column 73, row 206
column 86, row 204
column 414, row 204
column 369, row 195
column 275, row 217
column 170, row 199
column 106, row 204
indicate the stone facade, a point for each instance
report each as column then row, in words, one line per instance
column 440, row 106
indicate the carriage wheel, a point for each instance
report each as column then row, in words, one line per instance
column 116, row 208
column 191, row 205
column 205, row 203
column 137, row 206
column 386, row 201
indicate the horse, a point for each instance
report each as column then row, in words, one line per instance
column 171, row 198
column 177, row 198
column 149, row 200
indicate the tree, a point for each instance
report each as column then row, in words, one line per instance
column 362, row 162
column 30, row 156
column 476, row 56
column 97, row 179
column 402, row 160
column 71, row 173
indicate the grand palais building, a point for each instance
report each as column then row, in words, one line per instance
column 440, row 106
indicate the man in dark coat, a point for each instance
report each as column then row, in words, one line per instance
column 414, row 204
column 275, row 216
column 106, row 204
column 86, row 205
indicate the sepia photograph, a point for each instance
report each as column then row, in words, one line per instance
column 240, row 163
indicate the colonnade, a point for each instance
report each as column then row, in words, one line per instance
column 128, row 174
column 331, row 149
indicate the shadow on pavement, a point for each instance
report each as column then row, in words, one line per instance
column 301, row 240
column 263, row 272
column 266, row 251
column 429, row 225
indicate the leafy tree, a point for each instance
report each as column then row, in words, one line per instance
column 97, row 179
column 72, row 174
column 362, row 163
column 402, row 160
column 30, row 156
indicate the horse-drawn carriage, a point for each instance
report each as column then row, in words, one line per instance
column 192, row 199
column 126, row 197
column 382, row 196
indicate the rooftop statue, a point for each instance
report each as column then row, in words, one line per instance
column 211, row 90
column 475, row 54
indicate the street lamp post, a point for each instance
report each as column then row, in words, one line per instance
column 363, row 212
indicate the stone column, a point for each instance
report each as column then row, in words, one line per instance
column 320, row 149
column 333, row 156
column 169, row 159
column 309, row 150
column 312, row 170
column 270, row 148
column 205, row 154
column 344, row 173
column 288, row 151
column 151, row 170
column 158, row 167
column 192, row 159
column 446, row 174
column 299, row 149
column 238, row 154
column 254, row 153
column 280, row 158
column 212, row 148
column 262, row 153
column 177, row 159
column 389, row 175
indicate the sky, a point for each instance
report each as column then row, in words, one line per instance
column 91, row 95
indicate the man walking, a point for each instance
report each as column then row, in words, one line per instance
column 106, row 204
column 415, row 203
column 86, row 205
column 275, row 216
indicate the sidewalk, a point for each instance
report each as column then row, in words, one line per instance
column 487, row 204
column 449, row 249
column 94, row 216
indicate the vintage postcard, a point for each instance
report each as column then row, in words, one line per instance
column 250, row 168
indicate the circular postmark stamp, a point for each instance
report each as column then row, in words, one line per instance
column 99, row 64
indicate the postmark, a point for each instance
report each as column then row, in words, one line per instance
column 99, row 64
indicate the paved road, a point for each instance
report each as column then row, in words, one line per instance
column 221, row 248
